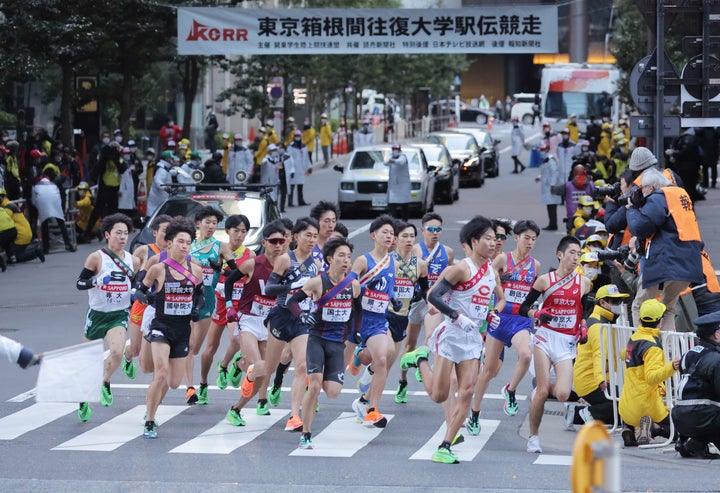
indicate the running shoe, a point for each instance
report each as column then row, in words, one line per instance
column 247, row 387
column 569, row 416
column 191, row 396
column 418, row 375
column 374, row 418
column 222, row 379
column 274, row 396
column 533, row 445
column 401, row 393
column 129, row 369
column 410, row 360
column 459, row 438
column 84, row 411
column 585, row 415
column 150, row 430
column 511, row 406
column 203, row 394
column 106, row 396
column 355, row 365
column 472, row 425
column 365, row 380
column 305, row 442
column 294, row 424
column 234, row 372
column 628, row 437
column 443, row 455
column 643, row 437
column 262, row 409
column 234, row 417
column 360, row 409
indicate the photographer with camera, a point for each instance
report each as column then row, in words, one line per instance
column 662, row 216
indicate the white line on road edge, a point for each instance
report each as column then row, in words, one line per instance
column 342, row 438
column 465, row 451
column 553, row 460
column 33, row 417
column 361, row 229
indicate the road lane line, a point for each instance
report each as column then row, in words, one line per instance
column 343, row 438
column 24, row 396
column 33, row 417
column 224, row 438
column 119, row 430
column 553, row 460
column 465, row 451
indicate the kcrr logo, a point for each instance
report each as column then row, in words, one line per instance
column 201, row 32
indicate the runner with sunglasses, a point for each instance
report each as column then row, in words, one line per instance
column 518, row 271
column 253, row 308
column 438, row 257
column 107, row 276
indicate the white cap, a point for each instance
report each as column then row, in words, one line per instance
column 272, row 147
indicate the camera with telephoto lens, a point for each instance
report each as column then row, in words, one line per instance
column 611, row 191
column 624, row 199
column 620, row 254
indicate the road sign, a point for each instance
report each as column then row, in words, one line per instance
column 643, row 82
column 644, row 126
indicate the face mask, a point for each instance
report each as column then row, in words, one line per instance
column 323, row 121
column 566, row 138
column 581, row 180
column 106, row 140
column 616, row 309
column 133, row 149
column 590, row 272
column 587, row 210
column 118, row 138
column 585, row 148
column 238, row 143
column 273, row 154
column 297, row 139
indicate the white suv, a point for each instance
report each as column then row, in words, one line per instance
column 523, row 108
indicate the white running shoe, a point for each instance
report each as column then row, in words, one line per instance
column 569, row 416
column 365, row 379
column 533, row 445
column 585, row 415
column 360, row 409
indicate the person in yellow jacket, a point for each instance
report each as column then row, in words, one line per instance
column 262, row 149
column 641, row 401
column 573, row 129
column 325, row 139
column 290, row 126
column 22, row 249
column 85, row 206
column 271, row 134
column 589, row 380
column 308, row 137
column 605, row 145
column 184, row 150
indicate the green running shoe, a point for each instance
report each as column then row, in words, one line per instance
column 129, row 369
column 222, row 379
column 401, row 393
column 84, row 411
column 410, row 360
column 459, row 438
column 305, row 442
column 106, row 396
column 472, row 426
column 418, row 375
column 511, row 406
column 203, row 394
column 235, row 374
column 150, row 430
column 262, row 409
column 234, row 417
column 274, row 396
column 445, row 456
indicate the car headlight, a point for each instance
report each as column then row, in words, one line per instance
column 415, row 186
column 347, row 186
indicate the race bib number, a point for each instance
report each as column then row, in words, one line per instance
column 513, row 294
column 220, row 289
column 479, row 307
column 179, row 304
column 337, row 310
column 403, row 289
column 375, row 301
column 208, row 275
column 261, row 306
column 116, row 294
column 564, row 322
column 237, row 291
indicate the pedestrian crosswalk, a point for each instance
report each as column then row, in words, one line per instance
column 337, row 434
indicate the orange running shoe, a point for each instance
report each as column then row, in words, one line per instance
column 247, row 387
column 374, row 418
column 191, row 396
column 355, row 366
column 294, row 424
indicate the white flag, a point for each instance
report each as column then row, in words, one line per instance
column 71, row 374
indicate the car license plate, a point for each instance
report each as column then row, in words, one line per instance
column 379, row 201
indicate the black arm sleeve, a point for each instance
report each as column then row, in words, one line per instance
column 436, row 299
column 231, row 279
column 531, row 298
column 85, row 280
column 139, row 277
column 231, row 263
column 293, row 304
column 275, row 285
column 424, row 286
column 199, row 298
column 357, row 314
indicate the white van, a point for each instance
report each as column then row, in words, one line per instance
column 373, row 102
column 523, row 107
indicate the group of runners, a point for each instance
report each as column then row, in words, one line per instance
column 305, row 300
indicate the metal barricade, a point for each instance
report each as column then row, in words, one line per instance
column 674, row 345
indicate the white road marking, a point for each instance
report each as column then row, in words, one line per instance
column 344, row 437
column 361, row 229
column 33, row 417
column 224, row 438
column 118, row 431
column 553, row 460
column 465, row 451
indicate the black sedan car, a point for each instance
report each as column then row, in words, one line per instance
column 253, row 201
column 488, row 149
column 465, row 150
column 468, row 113
column 447, row 171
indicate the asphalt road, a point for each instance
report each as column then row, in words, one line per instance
column 46, row 448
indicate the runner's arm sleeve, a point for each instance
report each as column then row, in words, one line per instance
column 234, row 276
column 531, row 298
column 436, row 299
column 85, row 281
column 293, row 304
column 276, row 285
column 198, row 302
column 139, row 278
column 424, row 285
column 357, row 314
